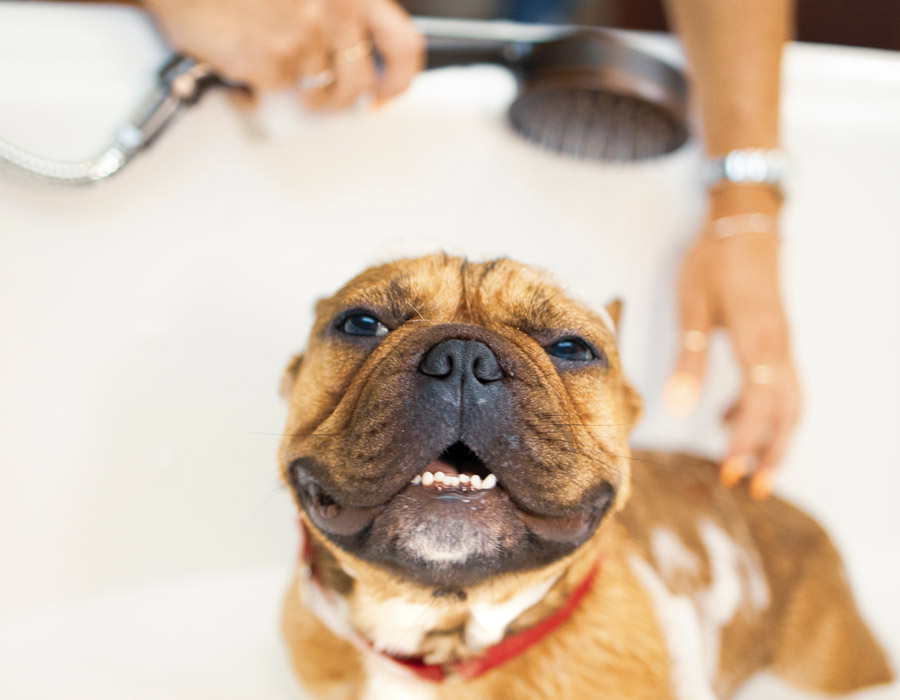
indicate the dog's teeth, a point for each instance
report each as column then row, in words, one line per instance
column 464, row 478
column 417, row 479
column 427, row 479
column 439, row 477
column 475, row 481
column 490, row 481
column 451, row 481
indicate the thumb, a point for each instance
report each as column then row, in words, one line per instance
column 683, row 387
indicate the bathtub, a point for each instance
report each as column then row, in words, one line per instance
column 144, row 537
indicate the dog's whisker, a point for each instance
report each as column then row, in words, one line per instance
column 596, row 425
column 589, row 457
column 635, row 459
column 265, row 499
column 413, row 307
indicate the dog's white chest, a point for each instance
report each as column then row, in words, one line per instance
column 488, row 620
column 397, row 626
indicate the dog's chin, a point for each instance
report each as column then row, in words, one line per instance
column 449, row 536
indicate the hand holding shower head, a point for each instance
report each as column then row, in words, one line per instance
column 582, row 92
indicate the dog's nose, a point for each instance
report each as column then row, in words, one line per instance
column 457, row 359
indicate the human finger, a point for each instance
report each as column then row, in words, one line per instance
column 773, row 453
column 695, row 316
column 315, row 72
column 355, row 74
column 763, row 480
column 351, row 53
column 751, row 433
column 399, row 44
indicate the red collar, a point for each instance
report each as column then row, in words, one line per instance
column 491, row 657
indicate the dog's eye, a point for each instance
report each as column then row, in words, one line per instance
column 364, row 324
column 572, row 349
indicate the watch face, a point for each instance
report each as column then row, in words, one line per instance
column 759, row 166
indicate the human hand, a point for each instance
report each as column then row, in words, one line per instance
column 732, row 282
column 322, row 46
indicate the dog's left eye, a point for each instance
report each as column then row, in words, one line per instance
column 364, row 324
column 572, row 349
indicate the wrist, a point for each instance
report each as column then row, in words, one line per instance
column 738, row 209
column 733, row 199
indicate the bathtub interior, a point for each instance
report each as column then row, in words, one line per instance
column 145, row 539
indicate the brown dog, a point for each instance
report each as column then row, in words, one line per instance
column 457, row 444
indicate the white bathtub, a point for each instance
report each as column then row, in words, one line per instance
column 145, row 323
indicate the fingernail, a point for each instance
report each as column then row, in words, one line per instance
column 761, row 486
column 733, row 470
column 378, row 104
column 681, row 394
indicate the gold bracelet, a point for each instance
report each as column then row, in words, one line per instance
column 728, row 226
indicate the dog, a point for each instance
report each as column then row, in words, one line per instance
column 475, row 525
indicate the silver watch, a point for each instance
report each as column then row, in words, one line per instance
column 749, row 166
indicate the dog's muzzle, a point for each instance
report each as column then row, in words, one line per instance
column 457, row 477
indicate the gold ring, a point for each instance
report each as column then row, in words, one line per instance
column 761, row 375
column 352, row 53
column 694, row 341
column 316, row 81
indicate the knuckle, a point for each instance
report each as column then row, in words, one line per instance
column 311, row 15
column 766, row 336
column 412, row 44
column 407, row 45
column 282, row 47
column 341, row 8
column 793, row 413
column 743, row 439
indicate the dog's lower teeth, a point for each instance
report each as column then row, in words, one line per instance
column 466, row 481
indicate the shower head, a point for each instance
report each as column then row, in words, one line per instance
column 582, row 92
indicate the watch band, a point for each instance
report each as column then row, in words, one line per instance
column 749, row 166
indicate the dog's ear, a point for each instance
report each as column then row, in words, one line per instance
column 614, row 310
column 290, row 374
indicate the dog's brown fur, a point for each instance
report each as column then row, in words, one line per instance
column 614, row 645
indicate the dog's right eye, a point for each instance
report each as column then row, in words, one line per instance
column 363, row 324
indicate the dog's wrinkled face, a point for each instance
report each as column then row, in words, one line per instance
column 450, row 421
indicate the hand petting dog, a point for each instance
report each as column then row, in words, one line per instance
column 731, row 282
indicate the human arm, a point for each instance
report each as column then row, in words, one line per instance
column 734, row 50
